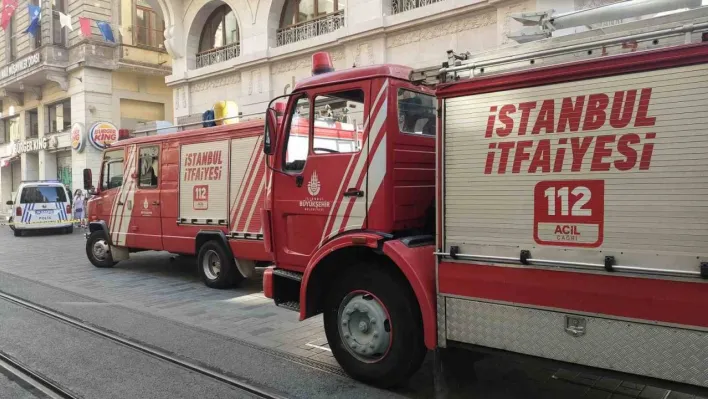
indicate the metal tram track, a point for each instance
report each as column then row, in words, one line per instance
column 32, row 380
column 156, row 353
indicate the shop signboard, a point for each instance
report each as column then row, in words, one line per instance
column 78, row 136
column 102, row 134
column 31, row 145
column 20, row 65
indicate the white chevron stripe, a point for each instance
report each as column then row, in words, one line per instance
column 328, row 232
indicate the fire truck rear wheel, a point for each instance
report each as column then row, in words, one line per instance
column 374, row 327
column 98, row 250
column 217, row 268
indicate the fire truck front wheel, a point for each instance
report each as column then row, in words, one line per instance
column 374, row 326
column 217, row 268
column 98, row 250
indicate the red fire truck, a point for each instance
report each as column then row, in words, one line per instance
column 198, row 192
column 566, row 196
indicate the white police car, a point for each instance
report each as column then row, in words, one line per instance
column 40, row 205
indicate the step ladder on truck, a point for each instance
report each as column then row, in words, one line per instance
column 557, row 212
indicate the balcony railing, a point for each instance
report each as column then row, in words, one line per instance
column 217, row 55
column 399, row 6
column 309, row 29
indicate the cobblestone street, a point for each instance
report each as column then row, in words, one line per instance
column 157, row 286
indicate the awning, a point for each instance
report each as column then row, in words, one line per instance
column 6, row 161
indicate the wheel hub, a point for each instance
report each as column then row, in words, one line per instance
column 100, row 250
column 364, row 326
column 211, row 265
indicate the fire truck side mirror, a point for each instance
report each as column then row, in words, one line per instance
column 271, row 123
column 87, row 179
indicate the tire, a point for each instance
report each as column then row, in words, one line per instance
column 69, row 230
column 98, row 251
column 373, row 288
column 18, row 233
column 216, row 267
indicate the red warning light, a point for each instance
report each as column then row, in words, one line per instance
column 321, row 63
column 279, row 107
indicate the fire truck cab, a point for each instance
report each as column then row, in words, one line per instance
column 337, row 216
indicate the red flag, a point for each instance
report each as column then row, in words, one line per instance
column 85, row 26
column 8, row 8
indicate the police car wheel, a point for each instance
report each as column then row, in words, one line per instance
column 374, row 326
column 98, row 251
column 217, row 268
column 69, row 230
column 18, row 233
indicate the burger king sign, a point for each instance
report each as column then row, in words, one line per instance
column 78, row 137
column 102, row 134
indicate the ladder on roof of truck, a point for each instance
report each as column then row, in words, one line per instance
column 674, row 29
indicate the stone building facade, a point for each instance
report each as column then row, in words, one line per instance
column 249, row 51
column 61, row 80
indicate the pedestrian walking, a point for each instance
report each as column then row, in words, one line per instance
column 79, row 200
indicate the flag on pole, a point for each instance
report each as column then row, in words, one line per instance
column 85, row 24
column 35, row 14
column 65, row 21
column 106, row 31
column 8, row 8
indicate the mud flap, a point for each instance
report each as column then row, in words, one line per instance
column 119, row 253
column 246, row 267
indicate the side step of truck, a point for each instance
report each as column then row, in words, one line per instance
column 286, row 289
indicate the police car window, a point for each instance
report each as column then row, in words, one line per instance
column 148, row 167
column 416, row 113
column 298, row 136
column 338, row 123
column 112, row 170
column 42, row 195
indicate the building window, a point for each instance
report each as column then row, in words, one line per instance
column 149, row 28
column 220, row 38
column 59, row 116
column 33, row 123
column 37, row 39
column 58, row 33
column 11, row 129
column 304, row 19
column 11, row 39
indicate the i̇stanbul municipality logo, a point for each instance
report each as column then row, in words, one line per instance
column 313, row 187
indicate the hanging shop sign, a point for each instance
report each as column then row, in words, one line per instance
column 20, row 65
column 102, row 134
column 78, row 136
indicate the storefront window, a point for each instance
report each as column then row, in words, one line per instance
column 58, row 32
column 149, row 28
column 33, row 123
column 59, row 116
column 220, row 30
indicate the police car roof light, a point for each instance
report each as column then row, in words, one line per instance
column 321, row 63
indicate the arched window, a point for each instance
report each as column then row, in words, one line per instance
column 302, row 19
column 220, row 39
column 299, row 11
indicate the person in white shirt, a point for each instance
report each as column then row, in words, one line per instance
column 79, row 207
